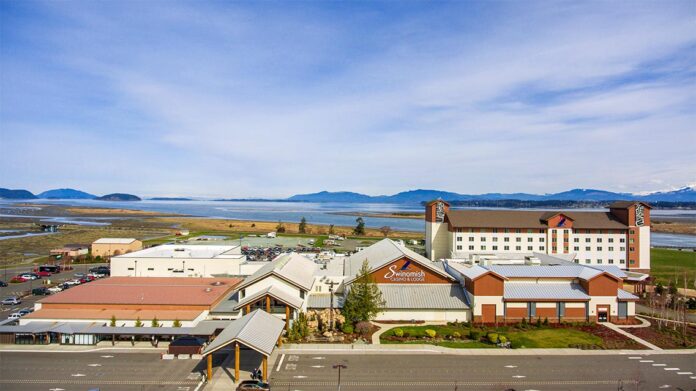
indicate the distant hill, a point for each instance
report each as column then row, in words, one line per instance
column 119, row 197
column 686, row 194
column 170, row 199
column 11, row 194
column 66, row 194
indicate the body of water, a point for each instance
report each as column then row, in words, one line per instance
column 315, row 213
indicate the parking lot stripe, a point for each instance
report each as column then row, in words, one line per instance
column 280, row 363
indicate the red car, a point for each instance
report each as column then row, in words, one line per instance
column 17, row 279
column 44, row 274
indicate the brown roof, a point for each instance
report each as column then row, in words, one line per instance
column 529, row 219
column 626, row 204
column 147, row 291
column 106, row 314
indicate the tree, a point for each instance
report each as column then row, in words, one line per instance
column 364, row 300
column 138, row 323
column 154, row 323
column 177, row 323
column 303, row 226
column 659, row 289
column 385, row 230
column 360, row 227
column 112, row 323
column 299, row 328
column 280, row 228
column 331, row 229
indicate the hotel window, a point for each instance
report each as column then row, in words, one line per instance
column 506, row 239
column 576, row 260
column 150, row 268
column 530, row 240
column 622, row 240
column 471, row 247
column 507, row 230
column 622, row 248
column 530, row 248
column 471, row 238
column 631, row 232
column 599, row 249
column 541, row 240
column 518, row 248
column 588, row 248
column 495, row 239
column 599, row 240
column 495, row 248
column 553, row 240
column 483, row 248
column 587, row 240
column 588, row 231
column 565, row 249
column 631, row 241
column 633, row 262
column 506, row 248
column 599, row 261
column 631, row 249
column 587, row 261
column 610, row 261
column 483, row 239
column 541, row 248
column 576, row 240
column 611, row 240
column 622, row 261
column 459, row 247
column 541, row 231
column 576, row 248
column 495, row 230
column 518, row 240
column 518, row 231
column 611, row 248
column 553, row 249
column 459, row 238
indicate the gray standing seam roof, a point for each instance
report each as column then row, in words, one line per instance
column 292, row 267
column 625, row 295
column 423, row 296
column 525, row 291
column 322, row 300
column 257, row 330
column 274, row 291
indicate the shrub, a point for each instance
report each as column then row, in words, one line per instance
column 493, row 337
column 457, row 334
column 431, row 333
column 538, row 322
column 502, row 339
column 398, row 332
column 475, row 335
column 406, row 334
column 546, row 321
column 523, row 323
column 363, row 328
column 347, row 328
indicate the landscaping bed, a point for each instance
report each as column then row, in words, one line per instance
column 665, row 338
column 524, row 335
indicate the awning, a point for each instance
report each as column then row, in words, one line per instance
column 258, row 330
column 544, row 292
column 276, row 293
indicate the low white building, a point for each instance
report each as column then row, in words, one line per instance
column 183, row 260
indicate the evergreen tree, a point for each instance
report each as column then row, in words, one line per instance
column 154, row 323
column 138, row 323
column 113, row 321
column 360, row 227
column 177, row 323
column 331, row 229
column 364, row 300
column 303, row 226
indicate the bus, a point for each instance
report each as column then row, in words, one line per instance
column 53, row 269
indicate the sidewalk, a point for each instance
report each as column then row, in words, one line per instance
column 121, row 347
column 431, row 349
column 631, row 336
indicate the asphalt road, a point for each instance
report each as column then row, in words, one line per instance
column 106, row 371
column 441, row 372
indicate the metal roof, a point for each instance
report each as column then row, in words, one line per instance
column 322, row 300
column 257, row 330
column 529, row 291
column 529, row 219
column 384, row 252
column 423, row 296
column 278, row 293
column 114, row 240
column 527, row 271
column 625, row 295
column 292, row 267
column 471, row 272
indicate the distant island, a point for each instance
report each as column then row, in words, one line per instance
column 10, row 194
column 170, row 199
column 66, row 194
column 119, row 197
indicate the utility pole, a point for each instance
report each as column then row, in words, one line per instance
column 339, row 367
column 331, row 317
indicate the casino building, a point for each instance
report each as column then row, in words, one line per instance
column 620, row 236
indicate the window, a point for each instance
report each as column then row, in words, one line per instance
column 631, row 249
column 622, row 261
column 633, row 261
column 599, row 240
column 541, row 231
column 242, row 293
column 553, row 240
column 483, row 239
column 518, row 240
column 611, row 248
column 530, row 248
column 506, row 248
column 576, row 240
column 541, row 240
column 302, row 293
column 495, row 239
column 529, row 231
column 587, row 240
column 130, row 268
column 529, row 240
column 170, row 269
column 483, row 248
column 459, row 238
column 518, row 248
column 531, row 309
column 518, row 231
column 318, row 288
column 541, row 248
column 631, row 241
column 587, row 261
column 631, row 232
column 507, row 230
column 576, row 260
column 459, row 247
column 553, row 249
column 565, row 249
column 611, row 240
column 471, row 238
column 506, row 239
column 495, row 230
column 588, row 248
column 599, row 261
column 622, row 248
column 588, row 231
column 471, row 230
column 495, row 248
column 622, row 240
column 150, row 268
column 599, row 249
column 471, row 247
column 610, row 261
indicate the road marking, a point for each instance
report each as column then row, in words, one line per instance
column 280, row 363
column 318, row 358
column 685, row 373
column 107, row 356
column 671, row 369
column 659, row 365
column 318, row 366
column 647, row 361
column 635, row 358
column 290, row 367
column 293, row 357
column 511, row 366
column 78, row 375
column 299, row 377
column 56, row 389
column 519, row 376
column 665, row 386
column 692, row 377
column 93, row 365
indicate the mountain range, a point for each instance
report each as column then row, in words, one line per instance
column 685, row 194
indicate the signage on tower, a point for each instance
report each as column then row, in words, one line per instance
column 440, row 211
column 640, row 214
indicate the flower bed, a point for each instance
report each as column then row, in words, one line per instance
column 666, row 338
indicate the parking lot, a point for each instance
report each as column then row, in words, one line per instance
column 106, row 371
column 313, row 372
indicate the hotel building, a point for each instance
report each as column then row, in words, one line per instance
column 620, row 236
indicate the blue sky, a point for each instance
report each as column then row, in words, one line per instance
column 269, row 99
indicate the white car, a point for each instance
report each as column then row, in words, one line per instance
column 72, row 282
column 28, row 276
column 15, row 315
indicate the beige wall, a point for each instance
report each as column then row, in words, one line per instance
column 109, row 249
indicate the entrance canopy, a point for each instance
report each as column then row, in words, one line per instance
column 258, row 330
column 274, row 292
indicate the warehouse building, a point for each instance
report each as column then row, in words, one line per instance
column 619, row 236
column 106, row 247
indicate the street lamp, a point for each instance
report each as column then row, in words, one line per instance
column 339, row 367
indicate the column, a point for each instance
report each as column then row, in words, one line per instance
column 280, row 341
column 268, row 304
column 264, row 369
column 210, row 367
column 287, row 317
column 248, row 308
column 236, row 361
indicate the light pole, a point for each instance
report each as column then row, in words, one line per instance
column 339, row 367
column 331, row 320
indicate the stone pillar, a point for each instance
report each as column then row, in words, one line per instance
column 236, row 361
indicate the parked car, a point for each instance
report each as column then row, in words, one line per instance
column 18, row 279
column 15, row 315
column 43, row 274
column 56, row 289
column 30, row 276
column 12, row 300
column 257, row 385
column 25, row 311
column 79, row 275
column 72, row 282
column 40, row 291
column 3, row 284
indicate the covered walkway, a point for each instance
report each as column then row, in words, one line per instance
column 258, row 330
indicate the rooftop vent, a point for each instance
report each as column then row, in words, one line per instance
column 208, row 289
column 217, row 283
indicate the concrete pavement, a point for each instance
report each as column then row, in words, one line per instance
column 631, row 336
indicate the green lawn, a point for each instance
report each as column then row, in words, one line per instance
column 528, row 338
column 666, row 265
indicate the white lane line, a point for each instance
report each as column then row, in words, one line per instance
column 519, row 376
column 647, row 361
column 692, row 377
column 93, row 365
column 671, row 369
column 665, row 386
column 318, row 366
column 280, row 363
column 511, row 366
column 635, row 358
column 78, row 375
column 107, row 356
column 299, row 377
column 659, row 365
column 318, row 358
column 685, row 373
